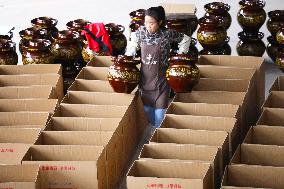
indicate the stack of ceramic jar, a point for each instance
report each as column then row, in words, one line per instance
column 280, row 56
column 251, row 17
column 8, row 55
column 212, row 33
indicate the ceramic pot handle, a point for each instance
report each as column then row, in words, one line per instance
column 121, row 28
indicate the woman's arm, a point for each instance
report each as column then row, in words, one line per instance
column 134, row 44
column 183, row 41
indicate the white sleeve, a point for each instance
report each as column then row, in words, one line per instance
column 132, row 45
column 183, row 46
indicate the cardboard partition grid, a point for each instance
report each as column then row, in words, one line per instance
column 93, row 73
column 274, row 100
column 100, row 61
column 265, row 135
column 29, row 105
column 54, row 80
column 98, row 98
column 278, row 84
column 30, row 69
column 80, row 166
column 255, row 154
column 13, row 153
column 272, row 116
column 146, row 174
column 91, row 86
column 19, row 176
column 19, row 135
column 27, row 92
column 229, row 125
column 254, row 176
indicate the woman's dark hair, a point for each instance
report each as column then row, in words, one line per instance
column 158, row 13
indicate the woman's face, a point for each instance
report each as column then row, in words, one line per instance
column 151, row 24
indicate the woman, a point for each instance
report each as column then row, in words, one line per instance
column 155, row 43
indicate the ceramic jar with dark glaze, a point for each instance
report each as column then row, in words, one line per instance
column 275, row 21
column 117, row 40
column 224, row 50
column 251, row 16
column 66, row 47
column 47, row 23
column 37, row 51
column 280, row 56
column 219, row 9
column 180, row 25
column 192, row 51
column 250, row 44
column 31, row 33
column 212, row 32
column 182, row 74
column 272, row 48
column 8, row 55
column 137, row 19
column 123, row 75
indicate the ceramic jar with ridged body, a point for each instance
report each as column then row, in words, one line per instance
column 8, row 55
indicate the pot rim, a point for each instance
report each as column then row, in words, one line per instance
column 217, row 6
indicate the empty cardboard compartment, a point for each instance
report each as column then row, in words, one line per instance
column 93, row 73
column 25, row 92
column 91, row 86
column 278, row 84
column 30, row 69
column 272, row 116
column 19, row 135
column 100, row 61
column 274, row 100
column 13, row 153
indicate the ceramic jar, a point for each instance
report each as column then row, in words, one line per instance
column 137, row 19
column 224, row 50
column 180, row 25
column 117, row 40
column 47, row 23
column 8, row 55
column 250, row 44
column 37, row 51
column 280, row 56
column 251, row 15
column 272, row 48
column 192, row 51
column 182, row 74
column 219, row 9
column 212, row 32
column 123, row 75
column 275, row 21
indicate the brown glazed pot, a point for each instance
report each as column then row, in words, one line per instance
column 137, row 19
column 123, row 75
column 66, row 47
column 251, row 16
column 250, row 44
column 8, row 55
column 37, row 51
column 182, row 74
column 275, row 21
column 219, row 9
column 272, row 48
column 280, row 56
column 181, row 25
column 224, row 50
column 47, row 23
column 211, row 33
column 117, row 40
column 192, row 51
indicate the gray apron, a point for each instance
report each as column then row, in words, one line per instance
column 154, row 88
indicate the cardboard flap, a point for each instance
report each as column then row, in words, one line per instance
column 22, row 92
column 30, row 69
column 18, row 173
column 93, row 73
column 23, row 118
column 91, row 86
column 19, row 135
column 13, row 153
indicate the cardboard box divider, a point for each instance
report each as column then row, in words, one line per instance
column 54, row 80
column 91, row 86
column 274, row 100
column 194, row 153
column 13, row 153
column 265, row 135
column 254, row 176
column 100, row 61
column 30, row 69
column 98, row 98
column 93, row 73
column 25, row 92
column 80, row 166
column 278, row 84
column 146, row 174
column 19, row 176
column 256, row 154
column 206, row 123
column 29, row 105
column 19, row 135
column 272, row 116
column 197, row 137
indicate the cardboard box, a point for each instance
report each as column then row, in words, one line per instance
column 254, row 176
column 98, row 98
column 100, row 61
column 13, row 153
column 89, row 110
column 19, row 176
column 93, row 73
column 197, row 137
column 271, row 116
column 19, row 135
column 179, row 9
column 28, row 105
column 69, row 166
column 274, row 100
column 255, row 154
column 166, row 174
column 265, row 135
column 241, row 62
column 206, row 123
column 22, row 119
column 193, row 153
column 278, row 84
column 30, row 69
column 54, row 80
column 91, row 86
column 25, row 92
